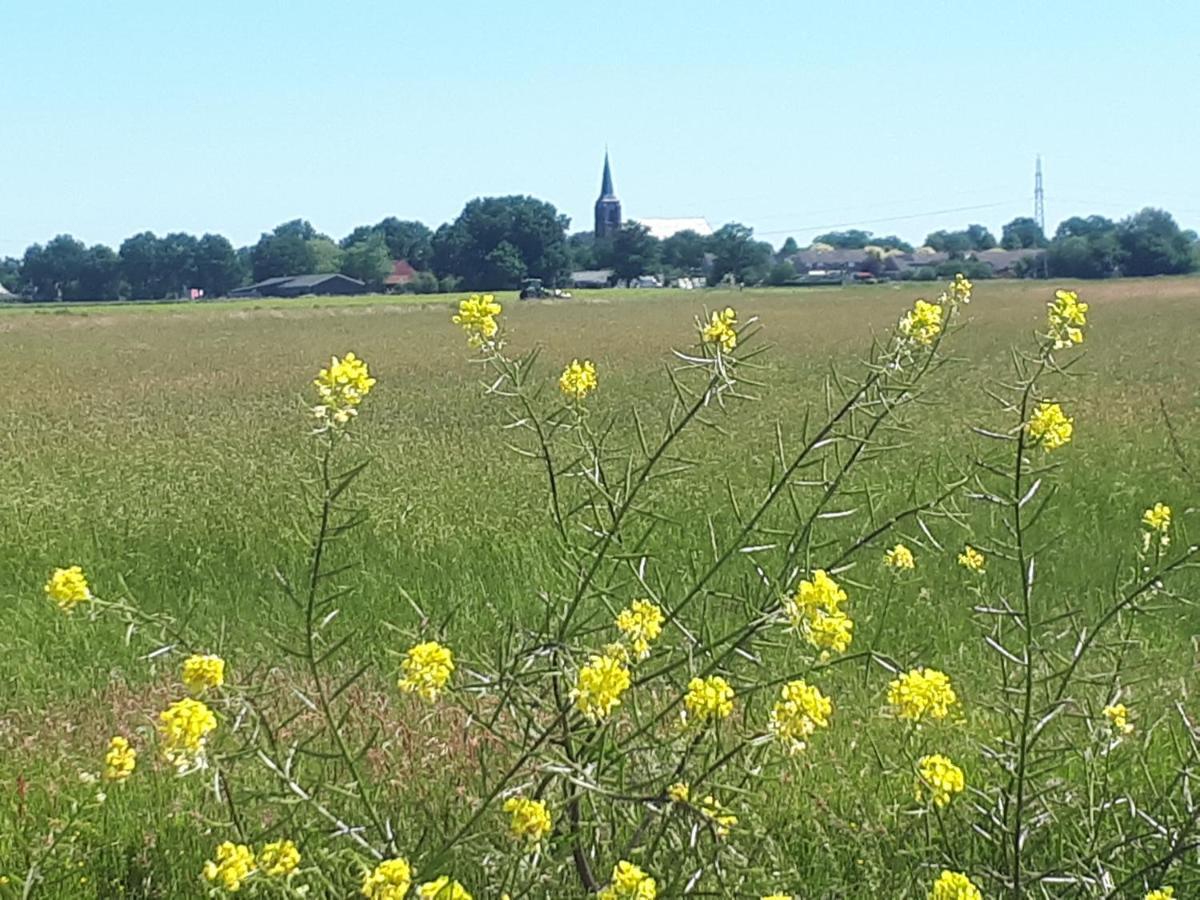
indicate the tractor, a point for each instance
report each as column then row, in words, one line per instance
column 532, row 289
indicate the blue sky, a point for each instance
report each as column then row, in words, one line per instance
column 790, row 117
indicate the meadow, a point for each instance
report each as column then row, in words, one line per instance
column 167, row 450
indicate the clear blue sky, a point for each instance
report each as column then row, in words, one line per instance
column 791, row 117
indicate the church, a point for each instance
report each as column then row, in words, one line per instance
column 608, row 214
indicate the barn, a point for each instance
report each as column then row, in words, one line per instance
column 302, row 285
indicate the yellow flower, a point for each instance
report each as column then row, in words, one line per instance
column 679, row 792
column 530, row 819
column 721, row 329
column 477, row 316
column 922, row 323
column 828, row 631
column 578, row 379
column 279, row 859
column 599, row 687
column 1050, row 426
column 641, row 623
column 201, row 672
column 184, row 727
column 427, row 667
column 922, row 692
column 629, row 881
column 390, row 880
column 233, row 865
column 800, row 711
column 68, row 588
column 821, row 592
column 900, row 557
column 954, row 886
column 940, row 777
column 1066, row 318
column 120, row 760
column 708, row 699
column 1118, row 718
column 777, row 897
column 341, row 388
column 1163, row 893
column 959, row 290
column 442, row 888
column 1157, row 518
column 971, row 559
column 815, row 609
column 721, row 820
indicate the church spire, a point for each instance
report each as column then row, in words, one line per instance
column 608, row 207
column 606, row 185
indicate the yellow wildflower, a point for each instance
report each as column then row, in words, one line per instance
column 1118, row 718
column 679, row 792
column 922, row 323
column 619, row 652
column 971, row 559
column 940, row 777
column 708, row 699
column 1165, row 892
column 68, row 588
column 815, row 609
column 922, row 692
column 777, row 897
column 1050, row 426
column 390, row 880
column 341, row 388
column 800, row 711
column 530, row 819
column 1158, row 519
column 442, row 888
column 120, row 760
column 599, row 687
column 900, row 557
column 959, row 290
column 828, row 631
column 477, row 316
column 1066, row 318
column 629, row 881
column 279, row 859
column 578, row 379
column 641, row 623
column 721, row 329
column 821, row 592
column 233, row 865
column 954, row 886
column 721, row 820
column 201, row 672
column 184, row 727
column 427, row 667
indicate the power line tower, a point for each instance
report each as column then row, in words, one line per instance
column 1039, row 204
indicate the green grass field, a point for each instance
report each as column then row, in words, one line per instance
column 166, row 450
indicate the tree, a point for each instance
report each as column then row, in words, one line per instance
column 279, row 254
column 582, row 251
column 854, row 239
column 634, row 251
column 1152, row 244
column 1078, row 256
column 956, row 243
column 52, row 272
column 504, row 266
column 684, row 251
column 1077, row 226
column 10, row 274
column 781, row 273
column 736, row 253
column 789, row 248
column 327, row 256
column 496, row 241
column 408, row 240
column 980, row 237
column 1022, row 233
column 296, row 228
column 140, row 265
column 99, row 276
column 368, row 260
column 218, row 268
column 176, row 264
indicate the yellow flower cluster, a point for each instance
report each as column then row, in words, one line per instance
column 1158, row 520
column 971, row 559
column 599, row 686
column 1118, row 718
column 922, row 323
column 427, row 667
column 959, row 290
column 900, row 557
column 629, row 882
column 777, row 897
column 800, row 711
column 578, row 379
column 940, row 778
column 1050, row 426
column 203, row 672
column 954, row 886
column 390, row 880
column 233, row 865
column 530, row 819
column 921, row 693
column 68, row 588
column 1067, row 316
column 707, row 700
column 721, row 329
column 341, row 388
column 1163, row 893
column 442, row 888
column 722, row 821
column 278, row 859
column 120, row 760
column 184, row 727
column 679, row 792
column 815, row 609
column 640, row 623
column 477, row 316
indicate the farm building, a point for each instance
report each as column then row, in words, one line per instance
column 301, row 285
column 591, row 278
column 402, row 273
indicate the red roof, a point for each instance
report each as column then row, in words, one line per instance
column 402, row 272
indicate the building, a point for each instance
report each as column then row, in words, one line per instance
column 402, row 273
column 301, row 285
column 592, row 278
column 1010, row 263
column 608, row 207
column 665, row 228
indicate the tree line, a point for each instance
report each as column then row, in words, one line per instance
column 496, row 242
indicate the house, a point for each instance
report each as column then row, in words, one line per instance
column 591, row 278
column 302, row 285
column 402, row 273
column 1004, row 262
column 664, row 228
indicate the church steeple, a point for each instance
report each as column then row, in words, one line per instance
column 608, row 207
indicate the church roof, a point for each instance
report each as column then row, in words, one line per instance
column 663, row 228
column 606, row 185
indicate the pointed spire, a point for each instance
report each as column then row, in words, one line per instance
column 606, row 186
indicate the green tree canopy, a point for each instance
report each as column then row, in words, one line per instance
column 496, row 241
column 1022, row 233
column 218, row 268
column 369, row 260
column 634, row 251
column 683, row 252
column 737, row 254
column 1152, row 244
